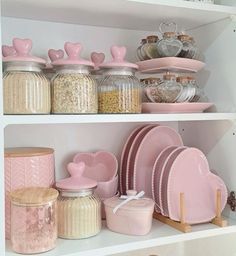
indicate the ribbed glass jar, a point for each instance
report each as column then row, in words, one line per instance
column 74, row 91
column 26, row 90
column 79, row 214
column 119, row 92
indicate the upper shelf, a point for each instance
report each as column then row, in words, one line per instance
column 130, row 14
column 113, row 118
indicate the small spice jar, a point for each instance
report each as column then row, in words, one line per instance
column 150, row 82
column 120, row 90
column 97, row 58
column 33, row 220
column 79, row 210
column 188, row 90
column 131, row 214
column 74, row 91
column 140, row 53
column 150, row 48
column 26, row 90
column 166, row 92
column 199, row 93
column 189, row 49
column 169, row 46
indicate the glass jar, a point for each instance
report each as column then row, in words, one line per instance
column 189, row 49
column 79, row 210
column 74, row 91
column 141, row 54
column 33, row 220
column 26, row 90
column 169, row 46
column 150, row 82
column 188, row 91
column 199, row 93
column 150, row 48
column 167, row 92
column 120, row 90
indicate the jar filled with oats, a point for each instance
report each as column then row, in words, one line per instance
column 120, row 90
column 26, row 90
column 74, row 91
column 79, row 210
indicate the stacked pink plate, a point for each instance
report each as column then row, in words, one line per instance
column 155, row 161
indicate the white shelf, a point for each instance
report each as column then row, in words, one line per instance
column 108, row 243
column 131, row 14
column 113, row 118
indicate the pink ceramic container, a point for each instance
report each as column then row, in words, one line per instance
column 26, row 167
column 133, row 217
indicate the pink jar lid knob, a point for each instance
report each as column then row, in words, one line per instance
column 55, row 54
column 76, row 170
column 97, row 58
column 118, row 53
column 8, row 51
column 73, row 50
column 22, row 46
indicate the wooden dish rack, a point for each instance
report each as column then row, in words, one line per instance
column 185, row 227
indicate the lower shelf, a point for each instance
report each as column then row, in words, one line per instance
column 109, row 243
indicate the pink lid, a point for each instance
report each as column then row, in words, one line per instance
column 97, row 58
column 8, row 51
column 138, row 204
column 22, row 52
column 118, row 55
column 77, row 181
column 73, row 51
column 54, row 55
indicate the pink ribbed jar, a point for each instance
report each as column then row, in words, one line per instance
column 26, row 167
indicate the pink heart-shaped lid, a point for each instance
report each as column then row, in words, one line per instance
column 55, row 54
column 73, row 51
column 77, row 181
column 118, row 59
column 22, row 52
column 97, row 58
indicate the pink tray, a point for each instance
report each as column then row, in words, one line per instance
column 167, row 108
column 173, row 64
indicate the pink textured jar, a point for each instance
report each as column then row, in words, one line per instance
column 33, row 219
column 26, row 167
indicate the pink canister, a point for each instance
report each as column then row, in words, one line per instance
column 131, row 214
column 26, row 167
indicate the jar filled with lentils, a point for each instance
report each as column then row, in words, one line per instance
column 120, row 90
column 26, row 90
column 74, row 91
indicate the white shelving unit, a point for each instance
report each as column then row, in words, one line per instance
column 50, row 23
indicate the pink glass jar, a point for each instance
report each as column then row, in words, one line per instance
column 33, row 220
column 26, row 167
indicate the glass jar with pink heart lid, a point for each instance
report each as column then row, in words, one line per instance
column 26, row 90
column 119, row 90
column 79, row 209
column 74, row 90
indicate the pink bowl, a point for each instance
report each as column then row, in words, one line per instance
column 107, row 189
column 101, row 166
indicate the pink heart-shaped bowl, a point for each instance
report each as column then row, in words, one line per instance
column 107, row 189
column 101, row 166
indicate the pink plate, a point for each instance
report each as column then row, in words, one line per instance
column 166, row 108
column 124, row 157
column 189, row 174
column 132, row 153
column 164, row 179
column 100, row 166
column 152, row 144
column 170, row 64
column 156, row 174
